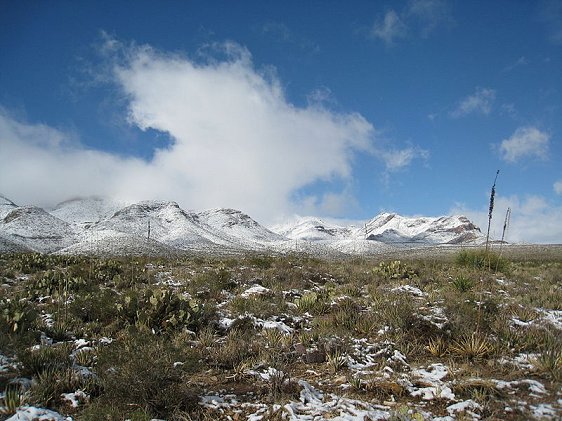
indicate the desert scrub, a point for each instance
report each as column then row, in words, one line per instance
column 238, row 346
column 35, row 361
column 262, row 306
column 149, row 372
column 482, row 259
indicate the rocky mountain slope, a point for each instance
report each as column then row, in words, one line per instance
column 103, row 226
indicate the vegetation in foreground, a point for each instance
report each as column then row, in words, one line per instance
column 281, row 337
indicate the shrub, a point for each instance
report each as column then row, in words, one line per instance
column 482, row 259
column 462, row 284
column 142, row 371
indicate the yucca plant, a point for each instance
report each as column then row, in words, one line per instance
column 337, row 360
column 13, row 398
column 85, row 357
column 437, row 347
column 472, row 346
column 462, row 284
column 550, row 362
column 355, row 382
column 491, row 209
column 307, row 302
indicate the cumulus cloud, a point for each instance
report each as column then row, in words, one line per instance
column 479, row 102
column 390, row 28
column 42, row 165
column 235, row 141
column 533, row 219
column 558, row 187
column 525, row 142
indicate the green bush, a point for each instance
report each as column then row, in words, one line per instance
column 482, row 260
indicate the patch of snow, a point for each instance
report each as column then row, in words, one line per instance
column 410, row 290
column 545, row 411
column 535, row 388
column 468, row 406
column 272, row 324
column 76, row 398
column 523, row 361
column 554, row 317
column 432, row 383
column 32, row 413
column 255, row 290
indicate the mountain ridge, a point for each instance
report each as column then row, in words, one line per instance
column 97, row 225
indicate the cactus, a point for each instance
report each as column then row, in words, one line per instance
column 395, row 270
column 18, row 314
column 160, row 309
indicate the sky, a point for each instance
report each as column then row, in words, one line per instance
column 280, row 108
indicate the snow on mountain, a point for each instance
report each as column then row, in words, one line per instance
column 311, row 229
column 237, row 227
column 393, row 228
column 86, row 211
column 111, row 243
column 6, row 206
column 169, row 224
column 104, row 226
column 33, row 228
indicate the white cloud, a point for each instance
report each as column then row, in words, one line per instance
column 479, row 102
column 533, row 219
column 42, row 165
column 396, row 159
column 525, row 142
column 236, row 142
column 390, row 28
column 558, row 187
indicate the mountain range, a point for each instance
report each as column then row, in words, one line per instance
column 103, row 226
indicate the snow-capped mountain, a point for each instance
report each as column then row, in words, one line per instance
column 393, row 228
column 86, row 210
column 238, row 227
column 103, row 226
column 34, row 229
column 312, row 229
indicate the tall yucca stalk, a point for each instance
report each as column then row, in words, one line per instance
column 491, row 209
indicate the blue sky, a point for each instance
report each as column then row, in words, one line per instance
column 338, row 109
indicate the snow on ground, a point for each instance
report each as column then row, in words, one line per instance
column 32, row 413
column 432, row 384
column 313, row 404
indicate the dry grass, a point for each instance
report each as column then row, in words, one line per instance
column 340, row 314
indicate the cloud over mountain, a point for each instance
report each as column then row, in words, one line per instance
column 235, row 138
